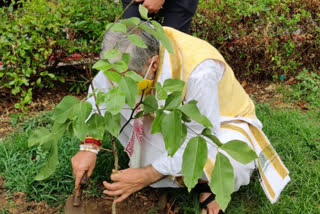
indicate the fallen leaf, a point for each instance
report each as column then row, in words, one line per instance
column 270, row 88
column 303, row 106
column 244, row 83
column 291, row 81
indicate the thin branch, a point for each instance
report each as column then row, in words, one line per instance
column 212, row 143
column 133, row 110
column 193, row 131
column 104, row 149
column 116, row 166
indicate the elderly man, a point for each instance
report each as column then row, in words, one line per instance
column 211, row 82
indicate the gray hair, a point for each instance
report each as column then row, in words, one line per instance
column 138, row 56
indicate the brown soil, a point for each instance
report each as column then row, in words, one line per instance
column 43, row 100
column 145, row 202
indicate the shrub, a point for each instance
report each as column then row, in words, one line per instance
column 263, row 39
column 40, row 34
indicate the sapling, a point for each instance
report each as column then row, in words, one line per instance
column 171, row 119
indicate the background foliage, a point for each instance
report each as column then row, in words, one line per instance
column 39, row 34
column 263, row 39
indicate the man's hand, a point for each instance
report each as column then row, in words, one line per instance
column 153, row 6
column 83, row 162
column 130, row 180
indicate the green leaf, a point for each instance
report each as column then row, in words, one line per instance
column 222, row 180
column 126, row 58
column 59, row 129
column 113, row 123
column 110, row 54
column 194, row 158
column 50, row 165
column 143, row 12
column 113, row 76
column 115, row 100
column 192, row 111
column 162, row 37
column 165, row 41
column 38, row 81
column 96, row 126
column 82, row 110
column 130, row 89
column 133, row 75
column 80, row 129
column 39, row 137
column 173, row 101
column 100, row 98
column 156, row 123
column 173, row 131
column 185, row 118
column 173, row 85
column 240, row 151
column 138, row 115
column 64, row 109
column 150, row 104
column 162, row 94
column 148, row 29
column 157, row 26
column 135, row 39
column 102, row 64
column 207, row 132
column 133, row 21
column 119, row 27
column 120, row 66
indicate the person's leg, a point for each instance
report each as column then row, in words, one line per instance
column 178, row 14
column 132, row 11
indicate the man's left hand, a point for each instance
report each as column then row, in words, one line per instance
column 130, row 180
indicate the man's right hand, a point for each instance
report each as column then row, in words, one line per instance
column 83, row 162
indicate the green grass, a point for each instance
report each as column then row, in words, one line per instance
column 294, row 134
column 296, row 138
column 19, row 164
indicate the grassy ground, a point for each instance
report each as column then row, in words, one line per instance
column 296, row 138
column 19, row 164
column 294, row 134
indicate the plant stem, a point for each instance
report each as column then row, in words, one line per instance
column 114, row 149
column 116, row 167
column 104, row 149
column 133, row 110
column 212, row 143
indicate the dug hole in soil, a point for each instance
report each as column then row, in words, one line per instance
column 145, row 202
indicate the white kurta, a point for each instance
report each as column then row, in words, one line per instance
column 203, row 87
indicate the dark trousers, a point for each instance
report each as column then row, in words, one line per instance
column 176, row 13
